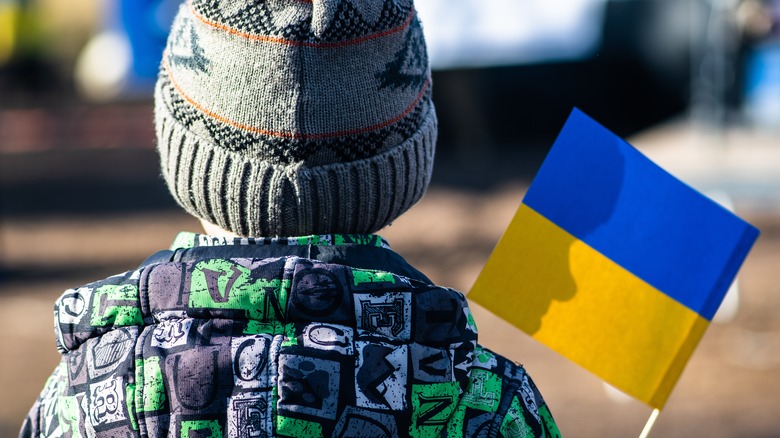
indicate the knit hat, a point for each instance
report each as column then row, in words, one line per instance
column 296, row 117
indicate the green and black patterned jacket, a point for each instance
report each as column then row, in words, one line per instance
column 315, row 336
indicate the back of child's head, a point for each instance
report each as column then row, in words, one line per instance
column 296, row 117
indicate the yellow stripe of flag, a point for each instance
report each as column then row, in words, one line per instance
column 585, row 306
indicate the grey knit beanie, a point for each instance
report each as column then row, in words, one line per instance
column 296, row 117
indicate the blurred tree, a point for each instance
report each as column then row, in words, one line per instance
column 38, row 43
column 9, row 12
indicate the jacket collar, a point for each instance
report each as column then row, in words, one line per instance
column 187, row 239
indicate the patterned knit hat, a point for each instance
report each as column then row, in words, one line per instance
column 296, row 117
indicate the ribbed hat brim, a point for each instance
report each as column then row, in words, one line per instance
column 252, row 197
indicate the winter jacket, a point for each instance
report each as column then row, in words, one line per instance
column 314, row 336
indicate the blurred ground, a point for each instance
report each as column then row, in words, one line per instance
column 81, row 213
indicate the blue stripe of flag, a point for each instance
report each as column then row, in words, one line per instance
column 604, row 192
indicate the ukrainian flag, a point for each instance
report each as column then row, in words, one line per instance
column 614, row 263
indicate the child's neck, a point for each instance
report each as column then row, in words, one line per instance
column 214, row 230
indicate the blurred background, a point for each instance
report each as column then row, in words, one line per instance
column 694, row 84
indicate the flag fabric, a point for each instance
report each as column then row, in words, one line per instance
column 613, row 262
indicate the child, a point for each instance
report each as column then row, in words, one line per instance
column 310, row 119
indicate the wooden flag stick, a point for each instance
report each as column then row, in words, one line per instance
column 650, row 423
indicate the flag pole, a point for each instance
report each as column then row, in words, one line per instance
column 650, row 423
